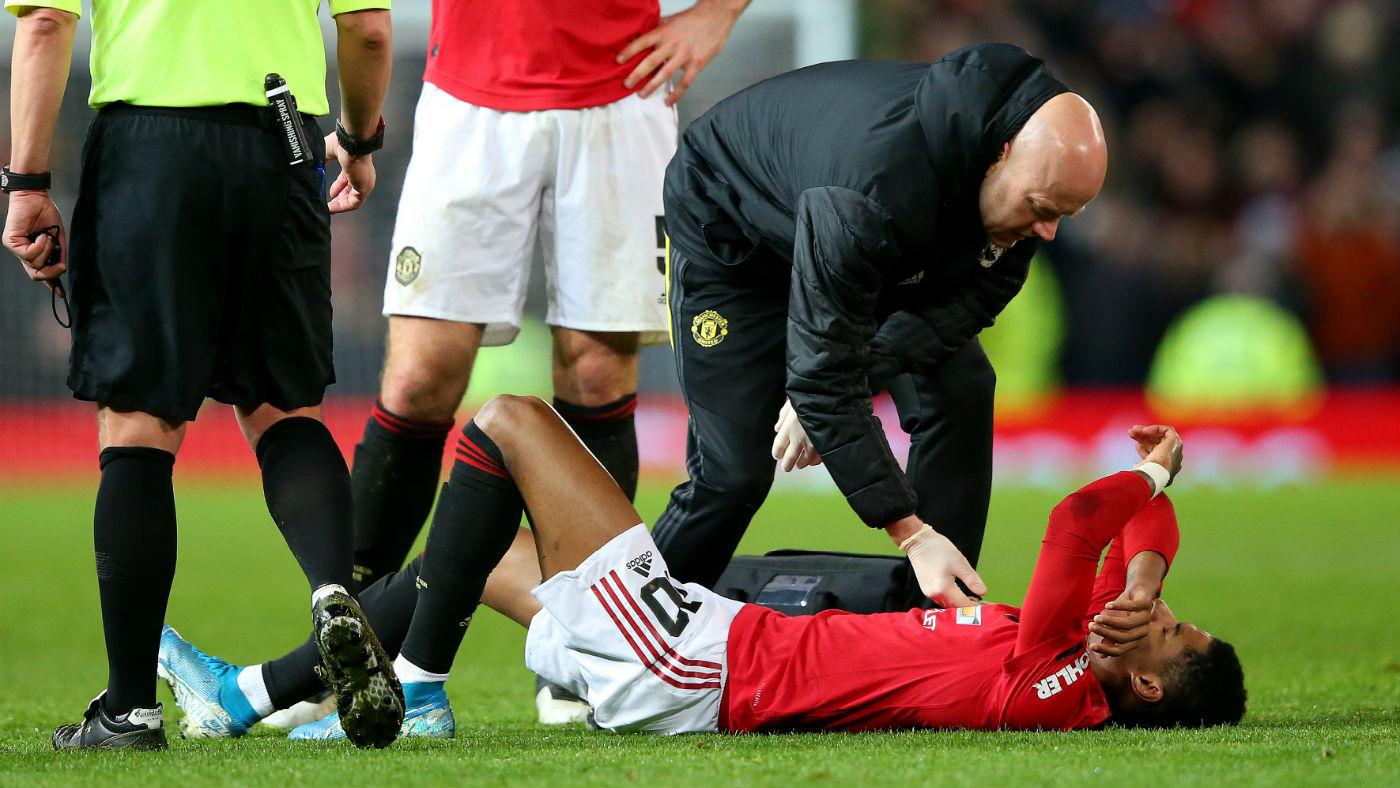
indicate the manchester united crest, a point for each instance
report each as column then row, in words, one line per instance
column 708, row 328
column 407, row 265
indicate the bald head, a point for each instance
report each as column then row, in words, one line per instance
column 1052, row 168
column 1065, row 136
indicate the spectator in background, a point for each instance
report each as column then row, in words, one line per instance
column 1349, row 255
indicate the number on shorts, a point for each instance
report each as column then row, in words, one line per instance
column 674, row 625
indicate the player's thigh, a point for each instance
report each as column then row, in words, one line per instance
column 650, row 652
column 607, row 260
column 468, row 215
column 427, row 365
column 594, row 367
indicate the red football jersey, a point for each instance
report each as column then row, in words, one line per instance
column 983, row 667
column 518, row 56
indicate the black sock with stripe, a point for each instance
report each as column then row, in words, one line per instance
column 397, row 466
column 478, row 513
column 610, row 432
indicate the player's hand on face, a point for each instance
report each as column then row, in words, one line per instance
column 1124, row 624
column 938, row 565
column 1160, row 444
column 791, row 446
column 30, row 212
column 356, row 179
column 686, row 41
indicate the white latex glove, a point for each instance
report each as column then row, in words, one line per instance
column 936, row 564
column 791, row 445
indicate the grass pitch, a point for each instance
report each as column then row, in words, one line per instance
column 1301, row 580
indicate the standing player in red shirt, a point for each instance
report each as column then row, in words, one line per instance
column 654, row 655
column 542, row 125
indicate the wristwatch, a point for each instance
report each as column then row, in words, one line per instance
column 359, row 147
column 20, row 181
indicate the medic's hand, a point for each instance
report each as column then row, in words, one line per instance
column 937, row 565
column 791, row 445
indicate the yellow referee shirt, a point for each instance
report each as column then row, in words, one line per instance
column 196, row 53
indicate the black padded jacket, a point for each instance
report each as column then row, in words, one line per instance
column 863, row 177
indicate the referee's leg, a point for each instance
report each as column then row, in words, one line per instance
column 947, row 412
column 134, row 544
column 729, row 340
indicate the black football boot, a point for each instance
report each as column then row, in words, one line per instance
column 138, row 729
column 357, row 669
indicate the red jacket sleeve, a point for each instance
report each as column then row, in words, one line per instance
column 1154, row 528
column 1080, row 527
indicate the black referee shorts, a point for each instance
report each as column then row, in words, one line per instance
column 199, row 263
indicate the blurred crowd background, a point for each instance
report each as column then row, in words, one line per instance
column 1254, row 152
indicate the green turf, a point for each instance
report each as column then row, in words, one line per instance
column 1300, row 579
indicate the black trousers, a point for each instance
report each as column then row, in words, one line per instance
column 729, row 339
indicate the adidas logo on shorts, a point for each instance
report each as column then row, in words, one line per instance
column 641, row 564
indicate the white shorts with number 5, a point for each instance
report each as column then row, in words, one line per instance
column 646, row 652
column 484, row 188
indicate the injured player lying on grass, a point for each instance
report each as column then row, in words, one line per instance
column 651, row 654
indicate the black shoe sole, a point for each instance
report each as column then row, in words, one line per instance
column 359, row 672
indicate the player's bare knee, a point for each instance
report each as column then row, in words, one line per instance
column 422, row 393
column 591, row 392
column 508, row 415
column 595, row 369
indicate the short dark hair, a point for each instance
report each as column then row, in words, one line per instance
column 1203, row 688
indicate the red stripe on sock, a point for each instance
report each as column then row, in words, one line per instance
column 491, row 468
column 464, row 444
column 619, row 413
column 416, row 429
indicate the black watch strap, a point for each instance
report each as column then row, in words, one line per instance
column 20, row 181
column 359, row 147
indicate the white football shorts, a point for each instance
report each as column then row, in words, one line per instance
column 646, row 652
column 485, row 187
